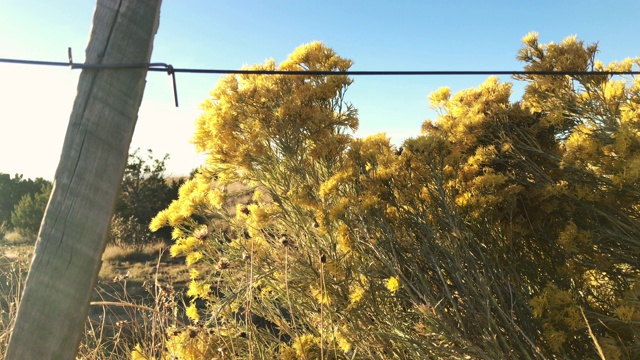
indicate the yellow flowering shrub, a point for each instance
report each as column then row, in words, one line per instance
column 557, row 175
column 501, row 231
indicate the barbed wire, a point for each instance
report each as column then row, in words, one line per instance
column 163, row 67
column 170, row 70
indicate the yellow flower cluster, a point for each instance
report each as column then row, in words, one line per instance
column 184, row 246
column 193, row 196
column 393, row 284
column 321, row 296
column 138, row 354
column 356, row 295
column 572, row 239
column 189, row 345
column 199, row 289
column 345, row 239
column 192, row 311
column 193, row 257
column 306, row 346
column 559, row 311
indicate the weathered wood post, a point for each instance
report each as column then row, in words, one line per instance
column 67, row 259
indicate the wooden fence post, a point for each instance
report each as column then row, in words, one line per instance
column 67, row 258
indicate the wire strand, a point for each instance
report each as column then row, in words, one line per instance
column 170, row 70
column 163, row 67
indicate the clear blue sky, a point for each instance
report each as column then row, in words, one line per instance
column 378, row 35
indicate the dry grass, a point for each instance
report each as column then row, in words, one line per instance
column 13, row 272
column 142, row 264
column 139, row 263
column 148, row 252
column 14, row 238
column 136, row 308
column 139, row 295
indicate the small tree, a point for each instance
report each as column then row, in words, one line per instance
column 27, row 215
column 12, row 189
column 143, row 193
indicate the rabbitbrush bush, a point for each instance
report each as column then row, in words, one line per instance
column 505, row 230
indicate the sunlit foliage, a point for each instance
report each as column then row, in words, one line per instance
column 505, row 230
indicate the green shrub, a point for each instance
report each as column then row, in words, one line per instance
column 27, row 215
column 12, row 189
column 129, row 232
column 143, row 193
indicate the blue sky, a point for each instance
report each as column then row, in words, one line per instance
column 378, row 35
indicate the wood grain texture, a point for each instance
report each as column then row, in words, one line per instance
column 67, row 258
